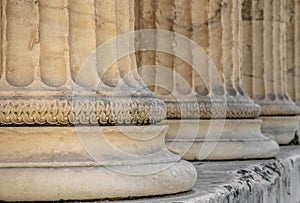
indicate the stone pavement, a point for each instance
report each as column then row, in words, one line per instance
column 269, row 180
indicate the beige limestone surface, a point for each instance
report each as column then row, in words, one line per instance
column 77, row 123
column 267, row 180
column 267, row 58
column 293, row 51
column 205, row 84
column 84, row 163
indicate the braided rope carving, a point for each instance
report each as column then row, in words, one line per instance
column 208, row 110
column 101, row 111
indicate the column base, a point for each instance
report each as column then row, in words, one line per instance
column 89, row 183
column 87, row 163
column 219, row 139
column 282, row 129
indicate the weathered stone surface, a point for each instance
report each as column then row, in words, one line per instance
column 195, row 77
column 267, row 55
column 282, row 129
column 204, row 84
column 293, row 51
column 84, row 163
column 274, row 180
column 212, row 139
column 76, row 122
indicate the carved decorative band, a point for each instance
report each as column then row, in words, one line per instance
column 211, row 110
column 83, row 111
column 268, row 109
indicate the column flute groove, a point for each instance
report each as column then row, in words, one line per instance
column 82, row 40
column 297, row 55
column 146, row 20
column 3, row 39
column 164, row 17
column 200, row 36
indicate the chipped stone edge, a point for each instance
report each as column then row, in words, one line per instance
column 265, row 182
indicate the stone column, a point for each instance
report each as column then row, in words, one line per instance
column 78, row 124
column 293, row 50
column 209, row 117
column 264, row 63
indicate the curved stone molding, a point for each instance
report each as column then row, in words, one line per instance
column 282, row 129
column 266, row 57
column 99, row 183
column 216, row 27
column 273, row 109
column 80, row 110
column 213, row 109
column 237, row 140
column 55, row 163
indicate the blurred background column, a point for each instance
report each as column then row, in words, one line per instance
column 210, row 116
column 293, row 51
column 267, row 53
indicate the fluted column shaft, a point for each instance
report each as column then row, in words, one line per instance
column 217, row 34
column 76, row 122
column 215, row 79
column 293, row 51
column 46, row 54
column 265, row 60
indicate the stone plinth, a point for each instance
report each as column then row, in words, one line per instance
column 266, row 54
column 208, row 111
column 77, row 123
